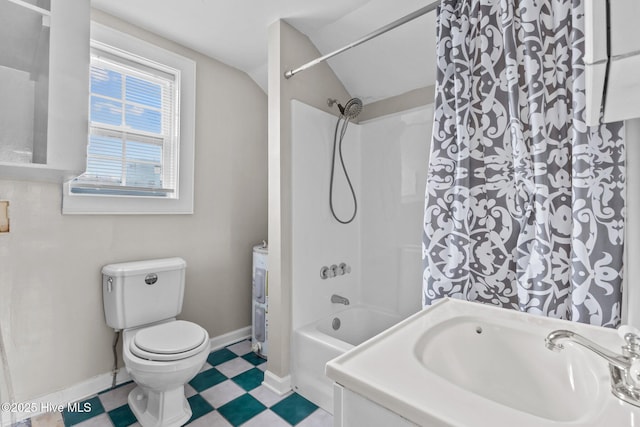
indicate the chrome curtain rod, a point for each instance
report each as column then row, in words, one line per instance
column 398, row 22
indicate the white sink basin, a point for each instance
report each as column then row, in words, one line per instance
column 512, row 367
column 464, row 364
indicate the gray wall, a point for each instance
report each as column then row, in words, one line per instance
column 51, row 311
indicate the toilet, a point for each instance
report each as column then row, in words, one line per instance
column 161, row 353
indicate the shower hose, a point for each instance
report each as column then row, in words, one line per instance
column 338, row 143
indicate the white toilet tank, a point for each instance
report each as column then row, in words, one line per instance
column 142, row 292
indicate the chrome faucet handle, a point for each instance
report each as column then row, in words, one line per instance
column 631, row 336
column 624, row 369
column 334, row 270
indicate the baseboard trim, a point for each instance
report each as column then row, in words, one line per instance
column 100, row 383
column 279, row 385
column 216, row 343
column 65, row 397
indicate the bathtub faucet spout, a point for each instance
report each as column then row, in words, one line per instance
column 337, row 299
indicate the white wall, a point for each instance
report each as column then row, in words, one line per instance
column 16, row 116
column 395, row 157
column 318, row 239
column 387, row 160
column 51, row 313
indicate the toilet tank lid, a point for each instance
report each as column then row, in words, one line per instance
column 141, row 267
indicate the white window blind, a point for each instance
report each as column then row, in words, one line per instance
column 133, row 127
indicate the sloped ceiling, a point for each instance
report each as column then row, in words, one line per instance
column 235, row 32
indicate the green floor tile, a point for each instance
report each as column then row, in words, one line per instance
column 221, row 356
column 250, row 379
column 82, row 411
column 199, row 407
column 122, row 416
column 242, row 409
column 207, row 379
column 294, row 408
column 253, row 358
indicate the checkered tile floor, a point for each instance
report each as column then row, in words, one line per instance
column 226, row 392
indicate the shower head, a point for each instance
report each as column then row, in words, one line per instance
column 352, row 108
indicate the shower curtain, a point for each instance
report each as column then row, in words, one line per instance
column 524, row 203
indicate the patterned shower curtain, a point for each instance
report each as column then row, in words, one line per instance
column 524, row 203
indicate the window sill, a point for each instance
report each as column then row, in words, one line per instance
column 91, row 204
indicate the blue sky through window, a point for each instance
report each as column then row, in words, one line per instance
column 142, row 100
column 133, row 105
column 143, row 119
column 106, row 111
column 106, row 82
column 105, row 146
column 143, row 92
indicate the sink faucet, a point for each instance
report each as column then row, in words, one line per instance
column 337, row 299
column 624, row 368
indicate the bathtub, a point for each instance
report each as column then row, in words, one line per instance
column 317, row 343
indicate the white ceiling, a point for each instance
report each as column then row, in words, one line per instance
column 235, row 32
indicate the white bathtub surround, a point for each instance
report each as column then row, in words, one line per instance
column 319, row 342
column 319, row 240
column 458, row 354
column 386, row 160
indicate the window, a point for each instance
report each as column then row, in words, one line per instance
column 141, row 130
column 133, row 141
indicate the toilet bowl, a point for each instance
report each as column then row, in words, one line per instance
column 161, row 359
column 142, row 299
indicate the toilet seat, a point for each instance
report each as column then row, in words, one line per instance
column 169, row 341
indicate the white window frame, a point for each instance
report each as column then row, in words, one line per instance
column 183, row 203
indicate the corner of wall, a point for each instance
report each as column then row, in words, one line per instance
column 406, row 101
column 288, row 48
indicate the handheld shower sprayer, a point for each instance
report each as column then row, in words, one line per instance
column 351, row 109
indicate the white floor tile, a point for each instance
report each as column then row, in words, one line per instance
column 205, row 367
column 101, row 420
column 266, row 419
column 267, row 397
column 189, row 391
column 222, row 393
column 234, row 367
column 50, row 419
column 243, row 347
column 117, row 397
column 320, row 418
column 212, row 419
